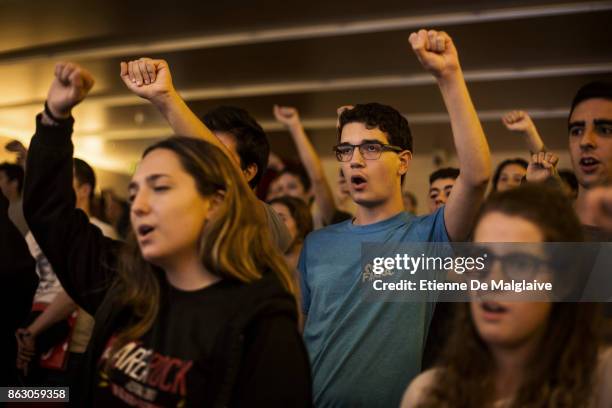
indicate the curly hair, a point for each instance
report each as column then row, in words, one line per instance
column 388, row 120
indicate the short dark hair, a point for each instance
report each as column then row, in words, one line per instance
column 298, row 171
column 446, row 172
column 251, row 141
column 384, row 117
column 85, row 175
column 375, row 115
column 13, row 172
column 521, row 162
column 592, row 90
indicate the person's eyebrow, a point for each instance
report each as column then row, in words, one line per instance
column 154, row 177
column 576, row 123
column 598, row 122
column 150, row 179
column 372, row 141
column 434, row 190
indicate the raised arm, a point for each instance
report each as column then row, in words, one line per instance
column 309, row 157
column 436, row 52
column 80, row 255
column 151, row 80
column 520, row 122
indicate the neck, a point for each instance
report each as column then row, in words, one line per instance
column 510, row 365
column 187, row 273
column 380, row 212
column 83, row 205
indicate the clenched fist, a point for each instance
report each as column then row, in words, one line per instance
column 436, row 52
column 70, row 86
column 287, row 115
column 518, row 121
column 148, row 78
column 542, row 166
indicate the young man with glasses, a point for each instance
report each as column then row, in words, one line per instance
column 365, row 353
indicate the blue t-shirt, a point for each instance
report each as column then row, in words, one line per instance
column 363, row 354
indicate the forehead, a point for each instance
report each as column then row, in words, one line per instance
column 355, row 133
column 228, row 141
column 596, row 108
column 513, row 168
column 286, row 178
column 159, row 161
column 442, row 182
column 280, row 208
column 499, row 227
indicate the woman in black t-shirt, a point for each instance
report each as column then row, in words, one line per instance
column 197, row 307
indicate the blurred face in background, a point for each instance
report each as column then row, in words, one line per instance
column 439, row 192
column 511, row 177
column 288, row 184
column 285, row 215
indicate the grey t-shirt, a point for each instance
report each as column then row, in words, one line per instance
column 280, row 233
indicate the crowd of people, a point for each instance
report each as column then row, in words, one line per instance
column 230, row 277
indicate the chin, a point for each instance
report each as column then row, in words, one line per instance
column 151, row 255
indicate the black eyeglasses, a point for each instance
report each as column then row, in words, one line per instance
column 514, row 266
column 368, row 150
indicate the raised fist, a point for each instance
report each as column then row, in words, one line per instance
column 287, row 115
column 542, row 166
column 339, row 112
column 69, row 87
column 517, row 121
column 147, row 78
column 436, row 52
column 15, row 146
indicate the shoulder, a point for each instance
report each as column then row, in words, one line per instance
column 430, row 227
column 418, row 388
column 107, row 229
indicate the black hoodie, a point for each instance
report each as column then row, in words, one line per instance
column 245, row 351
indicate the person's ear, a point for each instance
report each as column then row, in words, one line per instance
column 215, row 203
column 250, row 172
column 405, row 158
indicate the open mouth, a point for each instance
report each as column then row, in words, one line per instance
column 493, row 307
column 588, row 164
column 358, row 181
column 145, row 230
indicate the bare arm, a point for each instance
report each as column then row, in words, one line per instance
column 58, row 310
column 151, row 80
column 437, row 53
column 310, row 159
column 519, row 121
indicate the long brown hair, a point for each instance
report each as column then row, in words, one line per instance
column 236, row 245
column 562, row 372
